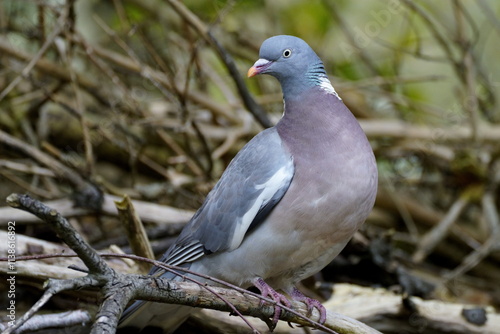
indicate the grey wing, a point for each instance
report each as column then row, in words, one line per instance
column 253, row 183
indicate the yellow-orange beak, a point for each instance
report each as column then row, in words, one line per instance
column 252, row 71
column 259, row 67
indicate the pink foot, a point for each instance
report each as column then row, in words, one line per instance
column 310, row 303
column 267, row 291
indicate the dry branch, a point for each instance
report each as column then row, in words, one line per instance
column 136, row 234
column 118, row 289
column 205, row 32
column 371, row 305
column 150, row 212
column 403, row 130
column 86, row 194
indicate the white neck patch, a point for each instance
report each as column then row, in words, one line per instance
column 326, row 85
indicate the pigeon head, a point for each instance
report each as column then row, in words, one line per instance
column 296, row 66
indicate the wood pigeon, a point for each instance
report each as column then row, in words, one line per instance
column 288, row 202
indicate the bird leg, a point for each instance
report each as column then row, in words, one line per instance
column 310, row 304
column 266, row 291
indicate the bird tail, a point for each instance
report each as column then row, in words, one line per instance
column 142, row 314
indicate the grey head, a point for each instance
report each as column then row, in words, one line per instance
column 292, row 61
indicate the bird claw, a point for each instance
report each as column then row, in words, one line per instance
column 310, row 304
column 267, row 291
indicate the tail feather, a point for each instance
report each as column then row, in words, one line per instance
column 142, row 314
column 166, row 316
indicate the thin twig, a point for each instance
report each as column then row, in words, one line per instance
column 86, row 194
column 491, row 215
column 228, row 61
column 438, row 233
column 60, row 25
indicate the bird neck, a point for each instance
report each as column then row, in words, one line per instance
column 312, row 105
column 315, row 76
column 318, row 123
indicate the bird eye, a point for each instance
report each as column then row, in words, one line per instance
column 287, row 53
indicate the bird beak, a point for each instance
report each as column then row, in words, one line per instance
column 259, row 67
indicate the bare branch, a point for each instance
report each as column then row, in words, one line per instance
column 86, row 194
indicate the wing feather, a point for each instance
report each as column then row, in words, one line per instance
column 254, row 182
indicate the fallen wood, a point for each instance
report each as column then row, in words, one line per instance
column 148, row 212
